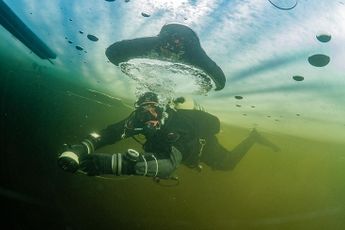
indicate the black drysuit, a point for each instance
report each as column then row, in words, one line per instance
column 187, row 137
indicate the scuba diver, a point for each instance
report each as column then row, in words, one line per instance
column 173, row 137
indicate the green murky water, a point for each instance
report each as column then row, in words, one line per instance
column 301, row 187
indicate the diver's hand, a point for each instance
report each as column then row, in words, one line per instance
column 96, row 163
column 69, row 159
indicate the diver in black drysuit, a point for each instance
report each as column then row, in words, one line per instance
column 173, row 137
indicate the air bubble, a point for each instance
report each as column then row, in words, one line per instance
column 319, row 60
column 298, row 78
column 323, row 37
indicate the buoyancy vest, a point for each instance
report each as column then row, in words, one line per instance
column 186, row 130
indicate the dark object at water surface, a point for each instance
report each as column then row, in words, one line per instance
column 175, row 43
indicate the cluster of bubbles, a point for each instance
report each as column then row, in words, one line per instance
column 142, row 14
column 165, row 78
column 317, row 60
column 91, row 37
column 320, row 60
